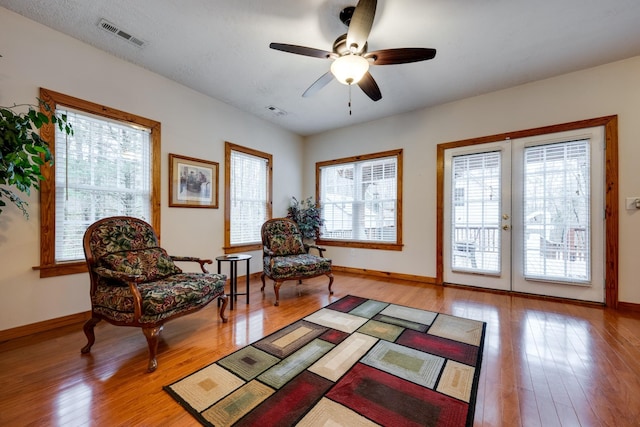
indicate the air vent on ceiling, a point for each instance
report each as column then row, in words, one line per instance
column 112, row 28
column 276, row 111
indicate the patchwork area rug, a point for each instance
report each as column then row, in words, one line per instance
column 356, row 362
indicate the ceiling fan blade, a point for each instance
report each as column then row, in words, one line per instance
column 370, row 87
column 400, row 56
column 302, row 50
column 324, row 80
column 360, row 25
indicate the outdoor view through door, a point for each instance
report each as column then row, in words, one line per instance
column 522, row 215
column 475, row 212
column 556, row 212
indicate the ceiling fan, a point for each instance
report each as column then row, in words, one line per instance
column 351, row 60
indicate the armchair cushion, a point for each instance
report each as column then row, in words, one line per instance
column 299, row 266
column 162, row 298
column 286, row 244
column 153, row 263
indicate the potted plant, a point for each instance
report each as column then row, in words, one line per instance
column 306, row 214
column 23, row 151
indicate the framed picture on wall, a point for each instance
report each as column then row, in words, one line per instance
column 193, row 183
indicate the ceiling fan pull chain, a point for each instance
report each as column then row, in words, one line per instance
column 350, row 99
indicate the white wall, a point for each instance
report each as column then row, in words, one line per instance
column 197, row 126
column 192, row 125
column 602, row 91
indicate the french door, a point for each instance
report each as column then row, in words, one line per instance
column 527, row 215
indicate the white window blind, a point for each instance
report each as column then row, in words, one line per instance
column 359, row 200
column 475, row 216
column 248, row 189
column 102, row 170
column 556, row 209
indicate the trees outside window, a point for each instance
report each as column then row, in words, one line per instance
column 110, row 166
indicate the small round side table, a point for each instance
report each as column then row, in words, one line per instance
column 233, row 260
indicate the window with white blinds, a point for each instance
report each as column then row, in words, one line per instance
column 475, row 214
column 249, row 196
column 359, row 200
column 557, row 209
column 102, row 170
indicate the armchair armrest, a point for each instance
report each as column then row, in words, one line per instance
column 132, row 280
column 318, row 248
column 200, row 261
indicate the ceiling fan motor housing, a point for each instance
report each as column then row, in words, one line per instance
column 340, row 46
column 346, row 14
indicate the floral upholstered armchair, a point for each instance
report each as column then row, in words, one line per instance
column 136, row 283
column 286, row 257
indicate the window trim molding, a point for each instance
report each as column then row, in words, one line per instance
column 48, row 267
column 228, row 148
column 398, row 245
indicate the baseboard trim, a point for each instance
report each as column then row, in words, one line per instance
column 47, row 325
column 385, row 274
column 629, row 306
column 251, row 277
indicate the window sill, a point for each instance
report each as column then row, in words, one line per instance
column 63, row 269
column 242, row 248
column 361, row 244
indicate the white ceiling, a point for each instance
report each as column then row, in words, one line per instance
column 221, row 48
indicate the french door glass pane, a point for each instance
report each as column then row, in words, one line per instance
column 556, row 212
column 476, row 206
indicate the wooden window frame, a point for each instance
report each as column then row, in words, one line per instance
column 398, row 245
column 48, row 266
column 228, row 148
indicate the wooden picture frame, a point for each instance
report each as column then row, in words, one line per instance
column 193, row 183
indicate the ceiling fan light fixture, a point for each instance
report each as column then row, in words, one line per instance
column 349, row 69
column 350, row 55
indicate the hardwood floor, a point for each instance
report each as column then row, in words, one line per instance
column 545, row 363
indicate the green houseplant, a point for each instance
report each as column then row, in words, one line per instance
column 307, row 215
column 23, row 151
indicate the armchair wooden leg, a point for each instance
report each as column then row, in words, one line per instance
column 152, row 335
column 330, row 275
column 91, row 336
column 276, row 290
column 225, row 301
